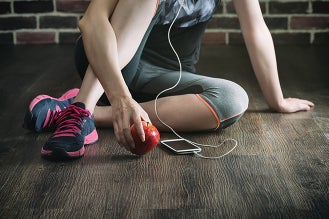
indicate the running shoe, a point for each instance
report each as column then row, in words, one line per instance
column 42, row 113
column 75, row 128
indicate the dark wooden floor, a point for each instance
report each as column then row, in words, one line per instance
column 280, row 168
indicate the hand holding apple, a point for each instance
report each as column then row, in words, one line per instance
column 152, row 138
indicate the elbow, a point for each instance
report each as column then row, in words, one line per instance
column 92, row 25
column 82, row 24
column 87, row 24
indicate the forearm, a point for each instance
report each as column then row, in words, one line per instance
column 262, row 55
column 101, row 48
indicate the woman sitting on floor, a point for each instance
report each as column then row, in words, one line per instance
column 124, row 52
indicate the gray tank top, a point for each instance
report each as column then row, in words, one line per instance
column 192, row 12
column 186, row 34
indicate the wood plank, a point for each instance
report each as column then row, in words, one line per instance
column 279, row 169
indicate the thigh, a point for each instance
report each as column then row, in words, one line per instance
column 150, row 80
column 225, row 98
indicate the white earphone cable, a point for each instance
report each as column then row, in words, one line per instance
column 180, row 74
column 181, row 2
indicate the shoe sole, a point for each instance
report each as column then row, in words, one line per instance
column 29, row 118
column 60, row 152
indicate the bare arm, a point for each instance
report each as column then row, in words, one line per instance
column 105, row 25
column 262, row 55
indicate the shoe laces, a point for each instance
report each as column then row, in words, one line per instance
column 50, row 119
column 69, row 121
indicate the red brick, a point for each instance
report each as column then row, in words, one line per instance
column 231, row 10
column 312, row 22
column 58, row 22
column 321, row 38
column 288, row 7
column 33, row 6
column 219, row 9
column 278, row 38
column 69, row 38
column 35, row 37
column 6, row 38
column 236, row 39
column 15, row 23
column 291, row 38
column 275, row 23
column 224, row 22
column 78, row 6
column 320, row 7
column 5, row 8
column 213, row 38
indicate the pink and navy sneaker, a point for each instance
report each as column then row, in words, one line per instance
column 75, row 128
column 43, row 110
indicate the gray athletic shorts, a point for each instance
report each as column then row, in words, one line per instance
column 225, row 99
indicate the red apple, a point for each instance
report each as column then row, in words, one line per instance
column 152, row 138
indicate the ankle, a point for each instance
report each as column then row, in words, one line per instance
column 88, row 106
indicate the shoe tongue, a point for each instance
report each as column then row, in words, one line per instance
column 79, row 104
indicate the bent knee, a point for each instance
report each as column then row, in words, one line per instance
column 235, row 104
column 229, row 101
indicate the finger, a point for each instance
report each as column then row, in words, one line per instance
column 305, row 105
column 145, row 117
column 302, row 101
column 139, row 128
column 120, row 135
column 116, row 133
column 311, row 104
column 130, row 143
column 296, row 104
column 129, row 139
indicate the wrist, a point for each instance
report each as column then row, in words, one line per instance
column 117, row 96
column 278, row 105
column 274, row 97
column 118, row 90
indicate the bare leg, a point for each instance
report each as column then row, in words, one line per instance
column 90, row 91
column 182, row 113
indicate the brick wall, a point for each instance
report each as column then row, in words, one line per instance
column 55, row 21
